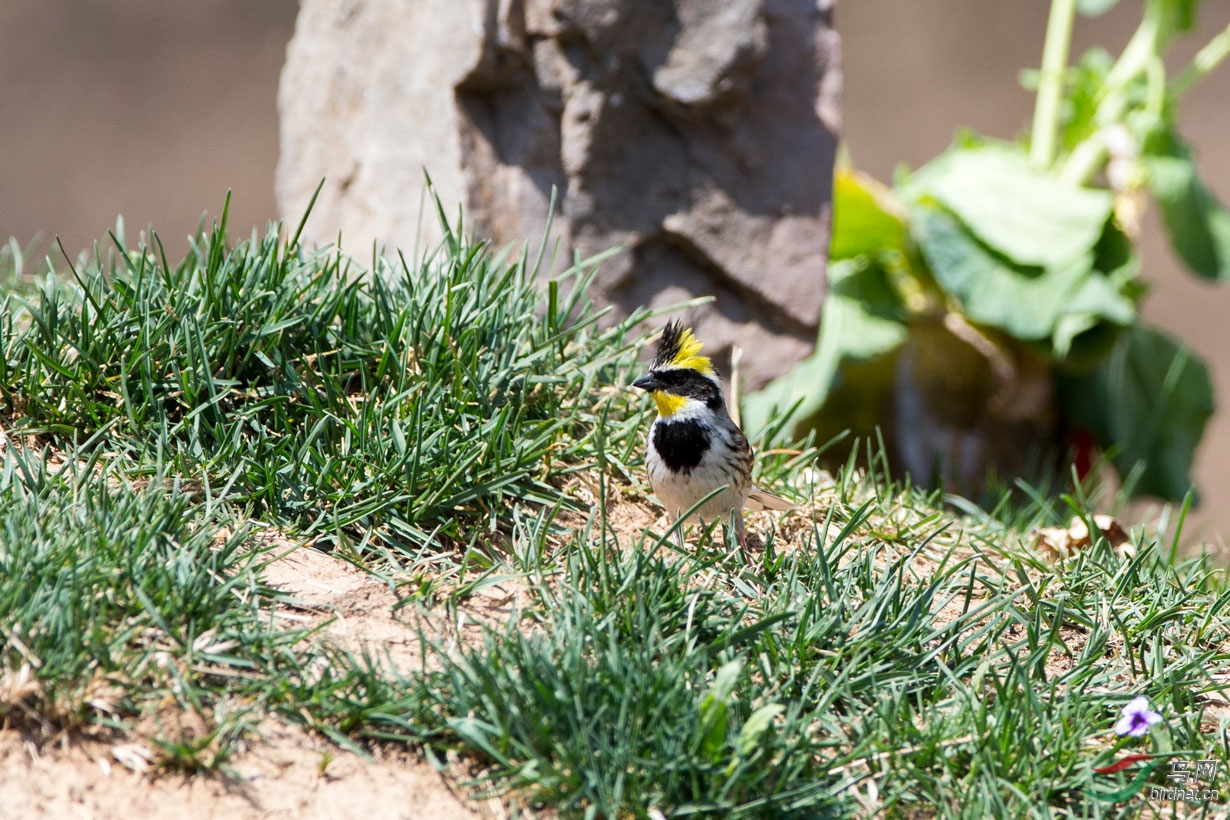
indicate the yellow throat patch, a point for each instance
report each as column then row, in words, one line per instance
column 668, row 404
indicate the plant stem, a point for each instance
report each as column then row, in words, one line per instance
column 1207, row 59
column 1050, row 83
column 1143, row 46
column 1140, row 55
column 1084, row 161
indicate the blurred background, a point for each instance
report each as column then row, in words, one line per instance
column 153, row 110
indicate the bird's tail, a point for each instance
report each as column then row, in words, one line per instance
column 759, row 499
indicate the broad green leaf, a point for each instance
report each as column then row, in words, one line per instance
column 863, row 318
column 1027, row 303
column 1198, row 225
column 1150, row 400
column 1067, row 329
column 1026, row 215
column 1094, row 301
column 863, row 217
column 1097, row 296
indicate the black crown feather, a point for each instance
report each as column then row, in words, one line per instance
column 679, row 349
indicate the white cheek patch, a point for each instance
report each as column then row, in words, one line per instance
column 692, row 409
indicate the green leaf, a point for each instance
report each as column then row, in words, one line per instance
column 1094, row 301
column 863, row 318
column 867, row 317
column 479, row 733
column 715, row 711
column 1086, row 88
column 1181, row 13
column 758, row 723
column 864, row 221
column 1198, row 225
column 1026, row 215
column 1150, row 400
column 1027, row 303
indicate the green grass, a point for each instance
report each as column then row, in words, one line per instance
column 439, row 423
column 124, row 600
column 396, row 408
column 824, row 684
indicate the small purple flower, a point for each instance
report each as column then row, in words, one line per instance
column 1137, row 718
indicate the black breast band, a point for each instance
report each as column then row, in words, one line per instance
column 681, row 444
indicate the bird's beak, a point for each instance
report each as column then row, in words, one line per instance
column 647, row 382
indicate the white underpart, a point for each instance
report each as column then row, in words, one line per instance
column 679, row 492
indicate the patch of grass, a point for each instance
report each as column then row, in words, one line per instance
column 402, row 415
column 119, row 599
column 887, row 655
column 899, row 661
column 392, row 409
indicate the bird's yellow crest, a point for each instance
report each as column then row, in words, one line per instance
column 680, row 349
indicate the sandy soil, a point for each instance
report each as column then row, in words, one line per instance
column 286, row 771
column 289, row 773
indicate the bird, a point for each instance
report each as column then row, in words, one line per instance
column 694, row 447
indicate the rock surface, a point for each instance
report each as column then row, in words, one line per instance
column 698, row 136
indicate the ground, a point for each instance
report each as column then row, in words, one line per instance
column 285, row 772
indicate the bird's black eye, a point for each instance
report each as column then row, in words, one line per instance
column 691, row 384
column 672, row 378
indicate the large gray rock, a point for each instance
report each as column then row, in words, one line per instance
column 697, row 135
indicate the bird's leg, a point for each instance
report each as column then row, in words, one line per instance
column 742, row 533
column 678, row 531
